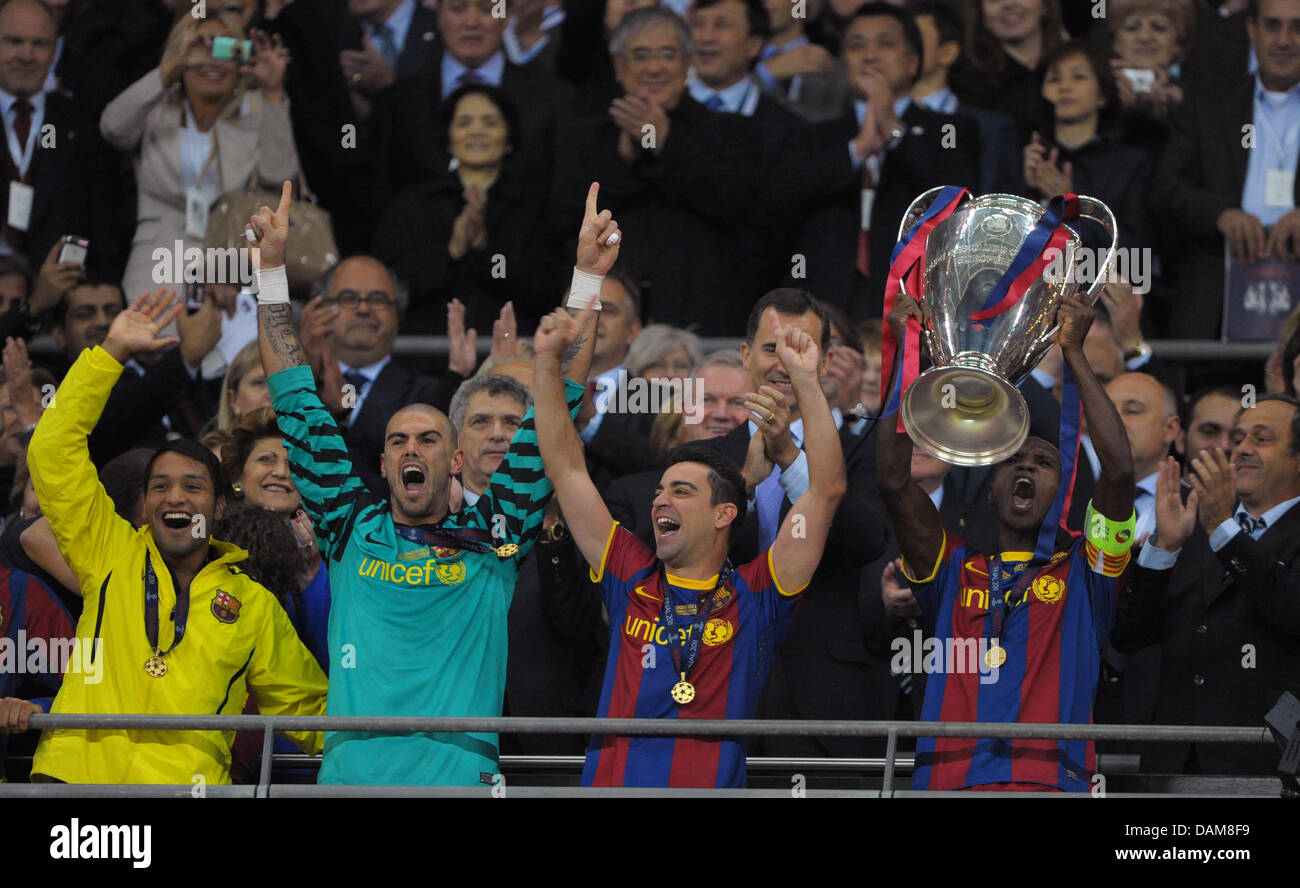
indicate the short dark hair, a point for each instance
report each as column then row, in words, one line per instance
column 401, row 292
column 911, row 33
column 756, row 16
column 726, row 483
column 495, row 95
column 59, row 313
column 1101, row 69
column 947, row 23
column 1293, row 446
column 197, row 452
column 630, row 287
column 1190, row 405
column 789, row 301
column 16, row 263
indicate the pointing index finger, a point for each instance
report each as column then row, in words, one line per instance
column 592, row 192
column 286, row 200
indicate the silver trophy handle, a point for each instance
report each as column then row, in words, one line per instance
column 1096, row 211
column 917, row 210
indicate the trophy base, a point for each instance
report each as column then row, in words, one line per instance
column 965, row 416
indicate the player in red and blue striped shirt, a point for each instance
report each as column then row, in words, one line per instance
column 690, row 637
column 1036, row 627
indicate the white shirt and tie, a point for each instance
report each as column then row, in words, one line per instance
column 363, row 378
column 1242, row 521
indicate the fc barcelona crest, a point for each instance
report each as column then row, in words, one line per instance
column 225, row 607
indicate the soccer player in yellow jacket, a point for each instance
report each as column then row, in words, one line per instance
column 177, row 627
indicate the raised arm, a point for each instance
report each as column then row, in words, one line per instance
column 916, row 521
column 79, row 510
column 798, row 547
column 318, row 457
column 1113, row 495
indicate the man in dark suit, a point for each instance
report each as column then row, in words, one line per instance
column 941, row 36
column 823, row 662
column 60, row 180
column 1217, row 587
column 359, row 306
column 681, row 180
column 729, row 37
column 1228, row 172
column 873, row 161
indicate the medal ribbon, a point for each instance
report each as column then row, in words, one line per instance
column 703, row 611
column 1036, row 253
column 905, row 264
column 180, row 613
column 473, row 539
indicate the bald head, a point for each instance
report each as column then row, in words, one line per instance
column 425, row 415
column 1149, row 410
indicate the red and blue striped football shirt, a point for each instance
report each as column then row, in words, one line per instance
column 750, row 617
column 1052, row 639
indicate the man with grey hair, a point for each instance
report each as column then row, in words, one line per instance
column 681, row 179
column 486, row 410
column 347, row 331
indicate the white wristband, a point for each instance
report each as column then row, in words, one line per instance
column 584, row 290
column 272, row 286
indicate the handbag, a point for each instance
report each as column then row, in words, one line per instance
column 311, row 250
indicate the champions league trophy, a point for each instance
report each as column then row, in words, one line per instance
column 965, row 409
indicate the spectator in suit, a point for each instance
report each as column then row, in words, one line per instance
column 723, row 382
column 532, row 33
column 60, row 186
column 1081, row 156
column 682, row 190
column 1213, row 185
column 941, row 36
column 873, row 161
column 804, row 76
column 842, row 374
column 196, row 132
column 486, row 225
column 555, row 623
column 1216, row 586
column 1220, row 45
column 825, row 651
column 1149, row 410
column 348, row 331
column 1005, row 62
column 1210, row 414
column 729, row 36
column 385, row 41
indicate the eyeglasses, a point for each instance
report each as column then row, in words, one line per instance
column 351, row 299
column 642, row 56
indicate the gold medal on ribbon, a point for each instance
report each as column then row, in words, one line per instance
column 995, row 656
column 683, row 691
column 506, row 551
column 156, row 666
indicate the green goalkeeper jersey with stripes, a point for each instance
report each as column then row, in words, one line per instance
column 413, row 630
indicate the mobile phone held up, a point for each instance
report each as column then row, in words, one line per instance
column 74, row 250
column 1143, row 79
column 228, row 49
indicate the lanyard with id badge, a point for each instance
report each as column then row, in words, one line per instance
column 21, row 195
column 1279, row 182
column 198, row 205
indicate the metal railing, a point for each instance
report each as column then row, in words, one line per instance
column 715, row 728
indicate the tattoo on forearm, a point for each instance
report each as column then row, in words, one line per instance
column 277, row 322
column 572, row 351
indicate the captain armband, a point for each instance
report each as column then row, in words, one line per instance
column 1111, row 537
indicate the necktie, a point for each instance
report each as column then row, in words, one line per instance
column 767, row 499
column 864, row 251
column 714, row 103
column 22, row 122
column 387, row 45
column 469, row 77
column 1253, row 526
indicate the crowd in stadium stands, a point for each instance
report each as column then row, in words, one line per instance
column 754, row 158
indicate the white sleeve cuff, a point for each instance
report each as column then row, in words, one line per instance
column 1223, row 533
column 794, row 480
column 1155, row 558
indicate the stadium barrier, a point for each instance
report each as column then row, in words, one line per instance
column 891, row 730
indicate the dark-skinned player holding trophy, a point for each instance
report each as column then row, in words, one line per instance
column 419, row 595
column 1025, row 624
column 691, row 637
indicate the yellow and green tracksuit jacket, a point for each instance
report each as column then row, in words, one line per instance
column 238, row 640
